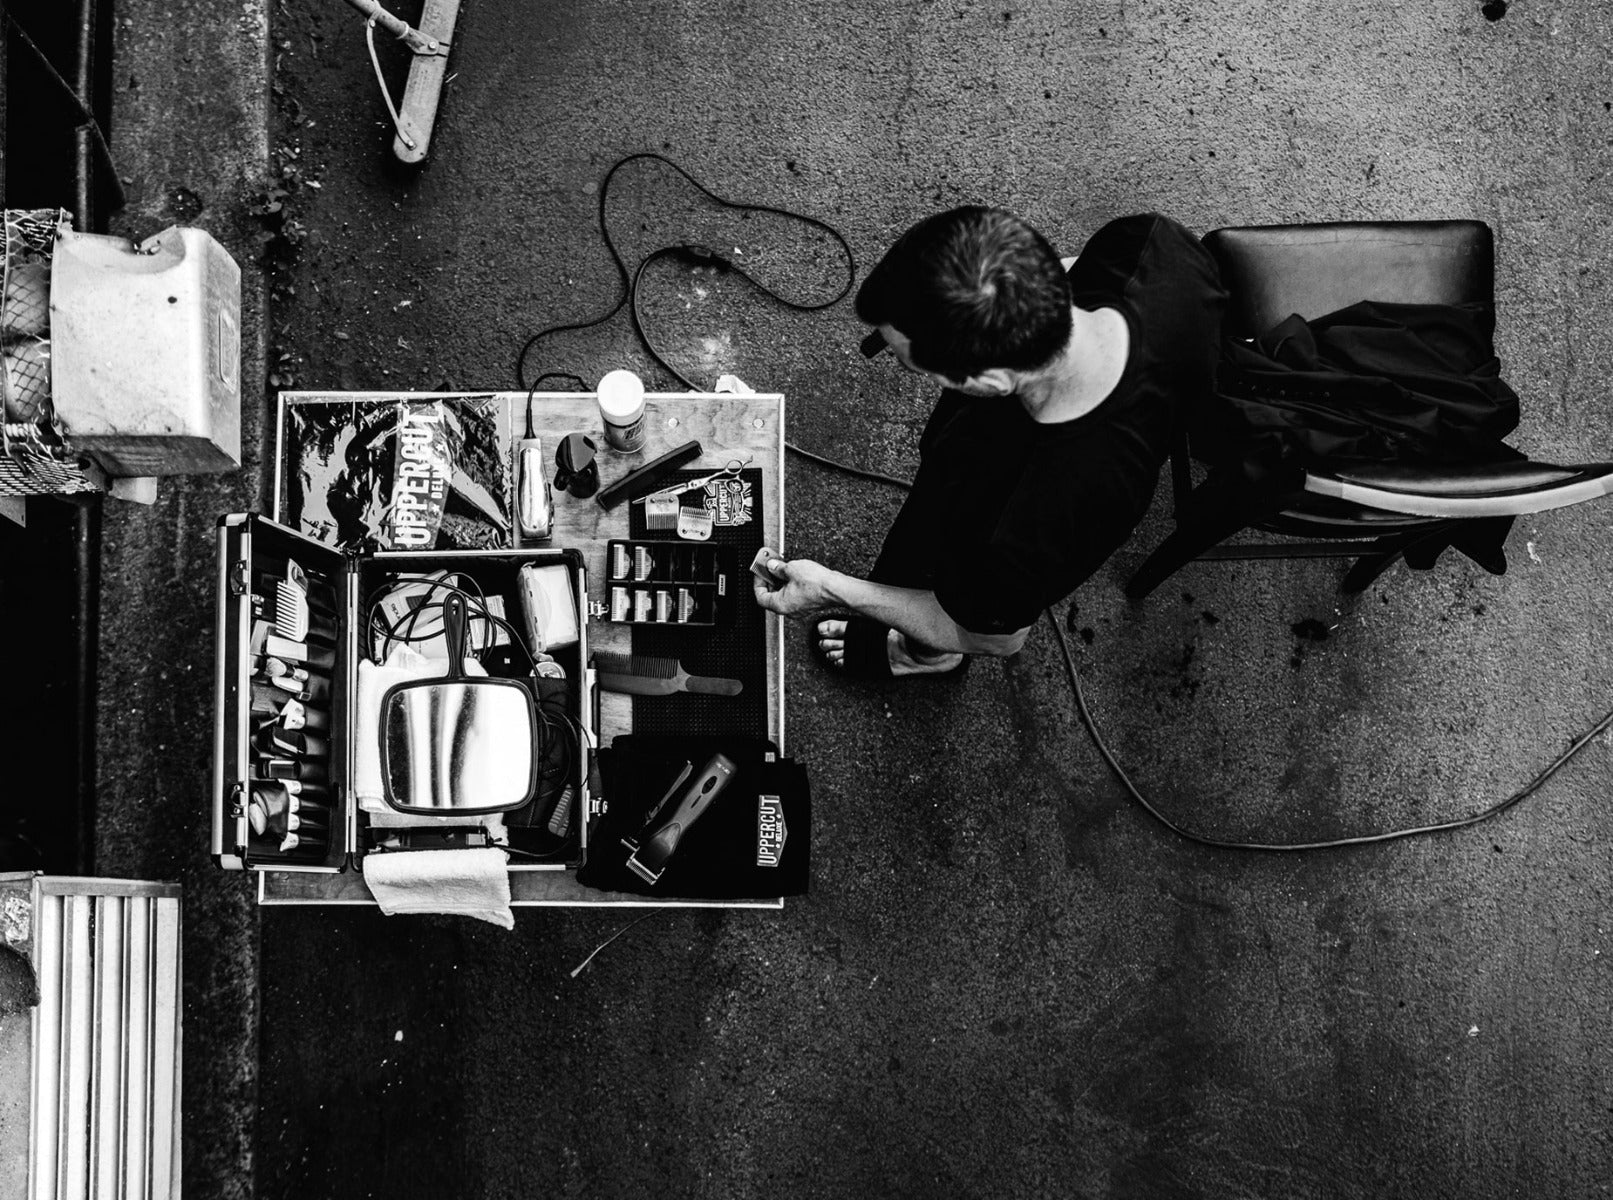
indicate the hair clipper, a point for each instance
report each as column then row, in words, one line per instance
column 534, row 503
column 663, row 832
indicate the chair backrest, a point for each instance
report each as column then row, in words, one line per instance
column 1274, row 271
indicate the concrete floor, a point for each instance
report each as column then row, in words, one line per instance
column 1008, row 980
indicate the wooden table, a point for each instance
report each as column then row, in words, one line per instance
column 727, row 426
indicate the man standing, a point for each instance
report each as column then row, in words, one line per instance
column 1061, row 394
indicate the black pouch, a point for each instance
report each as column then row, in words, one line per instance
column 752, row 843
column 557, row 752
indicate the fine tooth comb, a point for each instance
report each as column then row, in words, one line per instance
column 637, row 675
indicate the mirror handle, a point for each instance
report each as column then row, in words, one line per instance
column 453, row 631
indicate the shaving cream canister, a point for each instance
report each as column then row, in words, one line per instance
column 621, row 406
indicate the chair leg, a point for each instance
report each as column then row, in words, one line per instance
column 1181, row 461
column 1180, row 547
column 1219, row 511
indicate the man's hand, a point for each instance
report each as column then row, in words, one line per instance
column 800, row 587
column 796, row 588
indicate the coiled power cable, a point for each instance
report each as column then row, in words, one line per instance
column 698, row 256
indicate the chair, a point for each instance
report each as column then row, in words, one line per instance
column 1376, row 513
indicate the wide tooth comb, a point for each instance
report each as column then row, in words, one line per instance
column 638, row 675
column 290, row 611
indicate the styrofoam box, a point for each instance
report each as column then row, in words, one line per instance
column 146, row 351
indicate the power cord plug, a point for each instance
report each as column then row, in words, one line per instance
column 701, row 256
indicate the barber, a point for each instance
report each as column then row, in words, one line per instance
column 1061, row 382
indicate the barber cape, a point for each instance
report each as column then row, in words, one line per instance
column 1373, row 382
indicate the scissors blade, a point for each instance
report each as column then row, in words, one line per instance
column 731, row 471
column 677, row 489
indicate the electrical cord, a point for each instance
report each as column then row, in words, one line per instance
column 692, row 254
column 577, row 379
column 411, row 619
column 1366, row 839
column 848, row 469
column 1091, row 725
column 402, row 629
column 696, row 255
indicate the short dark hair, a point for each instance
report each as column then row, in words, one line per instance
column 972, row 289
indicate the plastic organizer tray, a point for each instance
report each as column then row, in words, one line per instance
column 669, row 583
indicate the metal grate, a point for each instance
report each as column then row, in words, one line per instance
column 106, row 1041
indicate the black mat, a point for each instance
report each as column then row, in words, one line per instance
column 721, row 857
column 736, row 649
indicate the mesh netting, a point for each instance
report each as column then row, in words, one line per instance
column 25, row 312
column 37, row 458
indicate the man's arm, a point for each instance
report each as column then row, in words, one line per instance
column 808, row 587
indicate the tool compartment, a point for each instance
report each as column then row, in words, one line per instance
column 336, row 481
column 260, row 764
column 284, row 791
column 536, row 840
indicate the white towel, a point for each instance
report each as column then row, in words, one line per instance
column 468, row 883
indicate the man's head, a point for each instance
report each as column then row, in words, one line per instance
column 974, row 295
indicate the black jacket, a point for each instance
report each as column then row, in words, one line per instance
column 1372, row 382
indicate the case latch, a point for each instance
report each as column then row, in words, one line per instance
column 240, row 577
column 594, row 790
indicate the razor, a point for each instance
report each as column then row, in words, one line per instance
column 658, row 841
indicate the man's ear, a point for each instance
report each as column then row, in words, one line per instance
column 994, row 381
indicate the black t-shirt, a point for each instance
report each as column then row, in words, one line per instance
column 1017, row 513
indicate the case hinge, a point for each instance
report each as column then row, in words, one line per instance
column 240, row 577
column 597, row 609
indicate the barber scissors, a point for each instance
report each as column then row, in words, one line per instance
column 731, row 471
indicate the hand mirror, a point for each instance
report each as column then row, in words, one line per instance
column 458, row 746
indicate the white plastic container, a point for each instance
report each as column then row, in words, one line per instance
column 621, row 406
column 146, row 351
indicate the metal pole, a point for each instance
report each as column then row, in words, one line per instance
column 397, row 27
column 84, row 88
column 87, row 636
column 87, row 511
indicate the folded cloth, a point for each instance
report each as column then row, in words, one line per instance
column 467, row 883
column 1373, row 382
column 402, row 666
